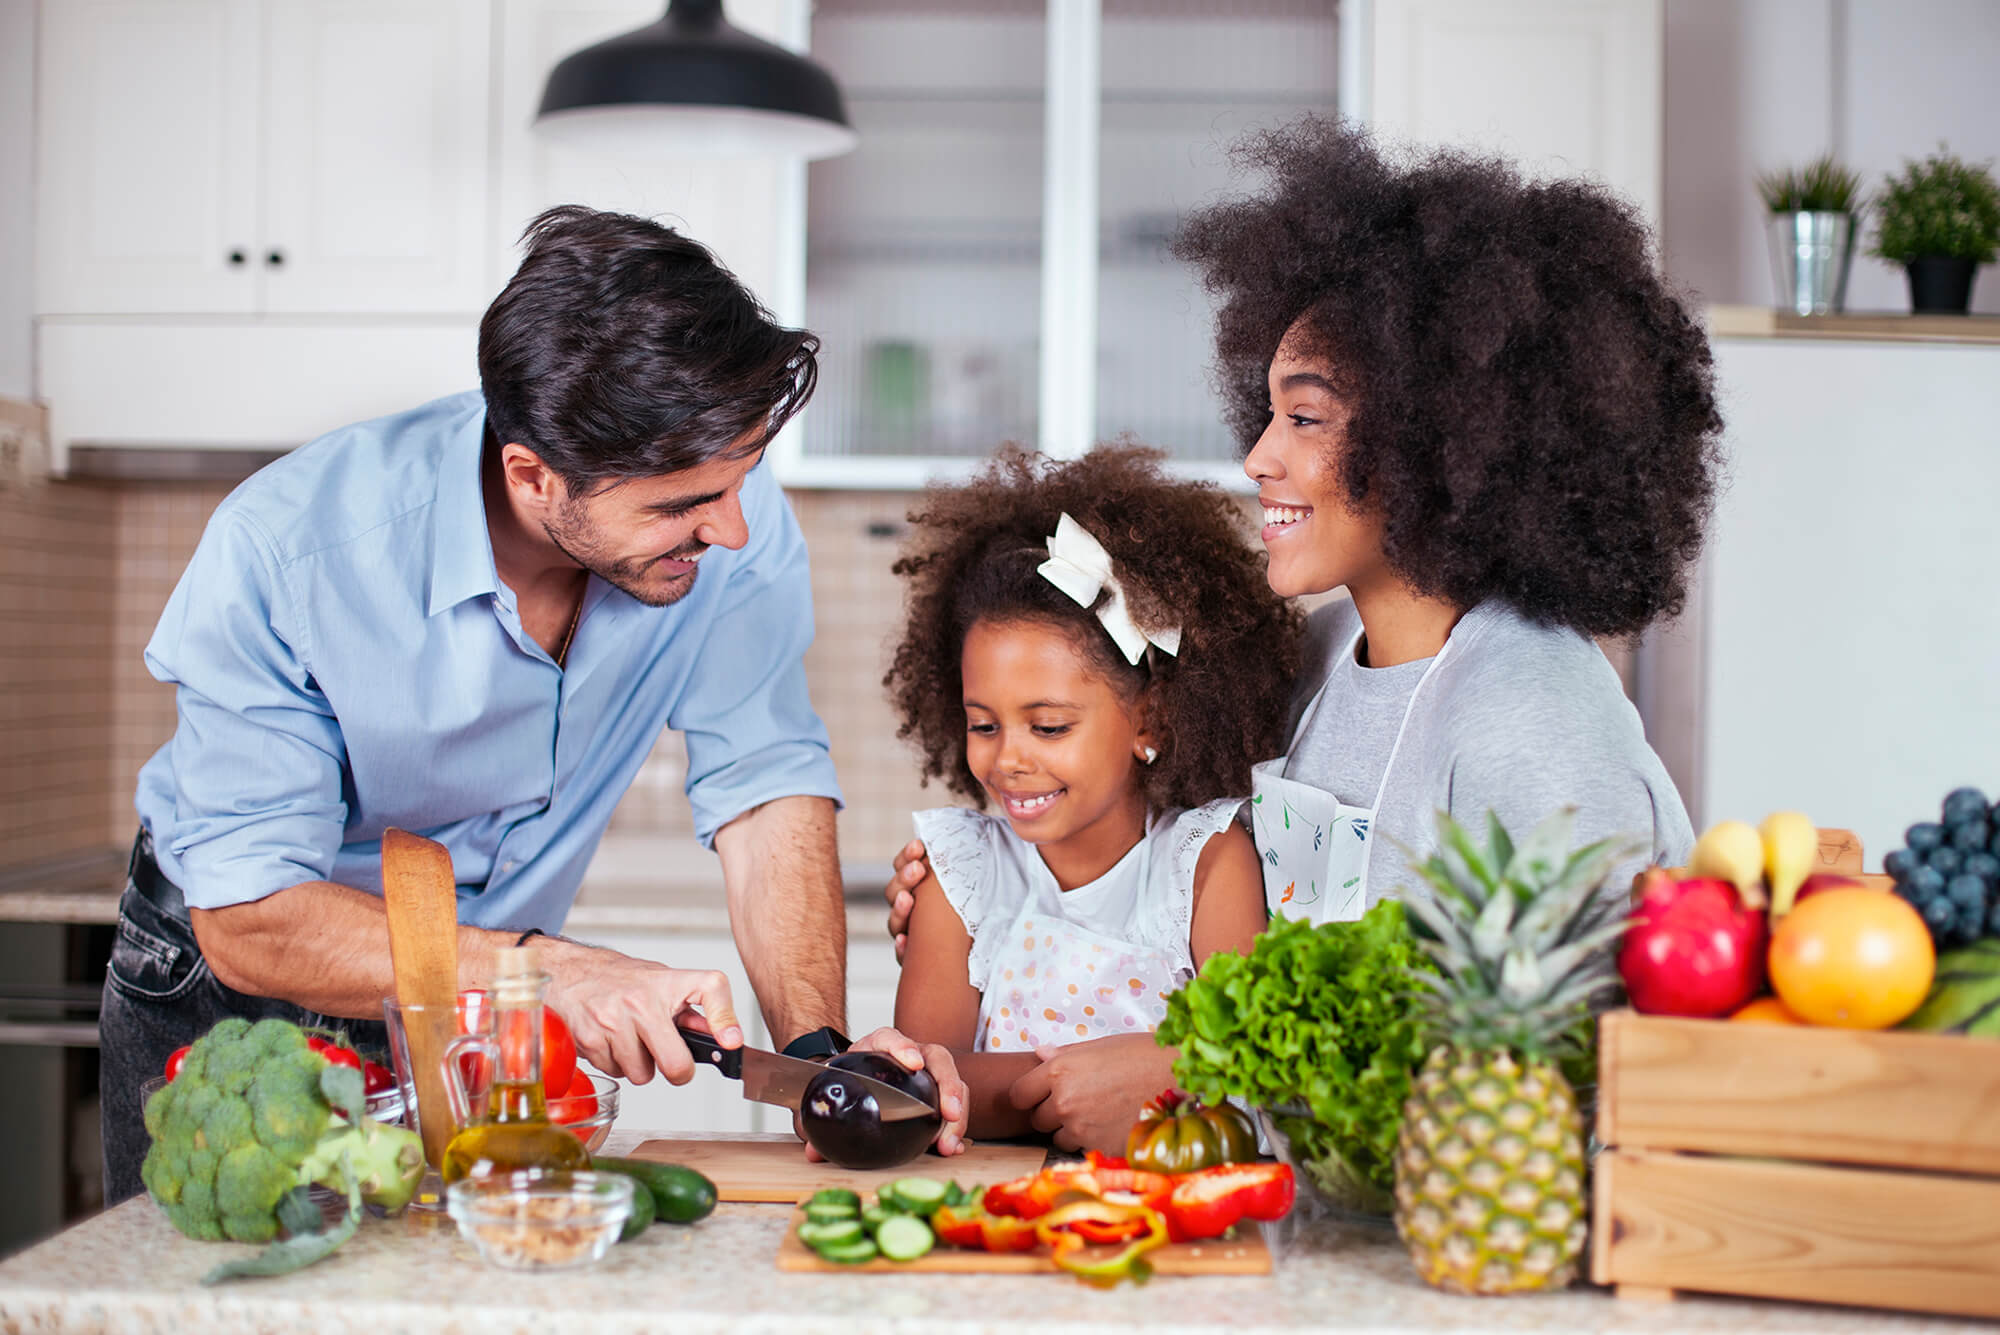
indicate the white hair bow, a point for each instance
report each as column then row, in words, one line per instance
column 1081, row 568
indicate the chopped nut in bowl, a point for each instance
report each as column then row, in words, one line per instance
column 547, row 1221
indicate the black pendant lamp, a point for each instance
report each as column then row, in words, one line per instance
column 694, row 85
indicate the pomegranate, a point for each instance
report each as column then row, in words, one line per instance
column 1691, row 947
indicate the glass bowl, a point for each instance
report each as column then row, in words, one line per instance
column 540, row 1221
column 1325, row 1177
column 573, row 1111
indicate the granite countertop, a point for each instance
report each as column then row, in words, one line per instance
column 128, row 1271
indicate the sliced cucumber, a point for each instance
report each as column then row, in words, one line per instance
column 917, row 1195
column 831, row 1214
column 835, row 1196
column 831, row 1235
column 905, row 1238
column 852, row 1253
column 873, row 1215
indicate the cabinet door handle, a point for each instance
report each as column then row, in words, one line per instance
column 237, row 257
column 275, row 259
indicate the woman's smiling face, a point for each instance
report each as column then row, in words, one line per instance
column 1317, row 541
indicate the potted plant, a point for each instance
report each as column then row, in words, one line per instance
column 1814, row 215
column 1940, row 218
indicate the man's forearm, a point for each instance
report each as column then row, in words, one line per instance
column 782, row 867
column 322, row 946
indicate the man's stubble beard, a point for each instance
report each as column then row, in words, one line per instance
column 576, row 540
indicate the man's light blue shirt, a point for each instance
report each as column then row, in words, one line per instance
column 346, row 659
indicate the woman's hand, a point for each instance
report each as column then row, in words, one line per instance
column 1089, row 1094
column 913, row 863
column 953, row 1097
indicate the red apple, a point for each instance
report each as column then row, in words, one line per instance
column 1691, row 947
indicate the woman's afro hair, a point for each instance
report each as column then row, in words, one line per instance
column 1533, row 410
column 1177, row 550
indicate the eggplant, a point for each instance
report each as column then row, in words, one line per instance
column 843, row 1122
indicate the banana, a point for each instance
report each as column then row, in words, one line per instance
column 1731, row 851
column 1791, row 846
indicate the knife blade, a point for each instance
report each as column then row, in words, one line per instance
column 772, row 1077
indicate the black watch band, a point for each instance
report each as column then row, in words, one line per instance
column 821, row 1043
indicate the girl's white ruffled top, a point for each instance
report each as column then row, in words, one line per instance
column 1057, row 966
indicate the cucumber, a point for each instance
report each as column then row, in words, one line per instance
column 817, row 1236
column 853, row 1253
column 644, row 1212
column 916, row 1195
column 831, row 1214
column 835, row 1196
column 905, row 1238
column 873, row 1215
column 954, row 1195
column 680, row 1195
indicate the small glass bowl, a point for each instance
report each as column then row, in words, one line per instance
column 540, row 1221
column 592, row 1129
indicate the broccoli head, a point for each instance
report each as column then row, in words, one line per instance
column 255, row 1114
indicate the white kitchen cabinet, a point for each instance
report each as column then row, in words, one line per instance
column 1567, row 87
column 263, row 156
column 737, row 208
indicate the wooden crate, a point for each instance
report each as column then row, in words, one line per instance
column 1876, row 1180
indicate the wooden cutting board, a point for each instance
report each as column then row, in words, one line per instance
column 777, row 1171
column 1245, row 1254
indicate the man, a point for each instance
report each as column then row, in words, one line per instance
column 471, row 621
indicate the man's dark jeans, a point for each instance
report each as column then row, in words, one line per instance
column 158, row 995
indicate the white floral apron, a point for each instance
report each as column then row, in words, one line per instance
column 1065, row 984
column 1314, row 847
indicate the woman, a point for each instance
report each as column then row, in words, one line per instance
column 1469, row 400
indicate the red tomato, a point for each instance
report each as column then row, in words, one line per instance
column 559, row 1073
column 316, row 1043
column 338, row 1056
column 376, row 1078
column 174, row 1060
column 578, row 1102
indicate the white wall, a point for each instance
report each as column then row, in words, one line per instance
column 17, row 182
column 1753, row 86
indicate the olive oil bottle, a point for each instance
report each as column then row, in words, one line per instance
column 516, row 1135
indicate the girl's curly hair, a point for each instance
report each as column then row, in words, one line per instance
column 1533, row 410
column 1179, row 555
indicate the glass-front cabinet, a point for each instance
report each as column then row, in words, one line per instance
column 991, row 263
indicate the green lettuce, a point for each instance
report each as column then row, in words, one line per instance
column 1316, row 1017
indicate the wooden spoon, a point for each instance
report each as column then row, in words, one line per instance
column 422, row 900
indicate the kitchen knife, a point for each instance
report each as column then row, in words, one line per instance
column 772, row 1077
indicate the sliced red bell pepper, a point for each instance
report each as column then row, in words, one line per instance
column 1098, row 1177
column 972, row 1228
column 1208, row 1203
column 1066, row 1230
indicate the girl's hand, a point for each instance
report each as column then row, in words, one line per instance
column 913, row 863
column 1089, row 1094
column 953, row 1097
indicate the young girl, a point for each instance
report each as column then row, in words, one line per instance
column 1469, row 399
column 1093, row 648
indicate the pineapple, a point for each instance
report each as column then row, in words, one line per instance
column 1490, row 1160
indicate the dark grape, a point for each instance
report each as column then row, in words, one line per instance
column 1970, row 836
column 1984, row 864
column 1961, row 803
column 1993, row 919
column 1898, row 863
column 1966, row 922
column 1947, row 860
column 1926, row 882
column 1968, row 890
column 1994, row 847
column 1938, row 913
column 1924, row 836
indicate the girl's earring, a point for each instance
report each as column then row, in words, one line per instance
column 1152, row 754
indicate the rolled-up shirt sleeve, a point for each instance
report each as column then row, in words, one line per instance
column 257, row 760
column 749, row 725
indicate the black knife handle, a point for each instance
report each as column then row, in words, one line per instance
column 707, row 1051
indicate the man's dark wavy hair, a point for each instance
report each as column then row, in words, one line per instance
column 622, row 349
column 1533, row 409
